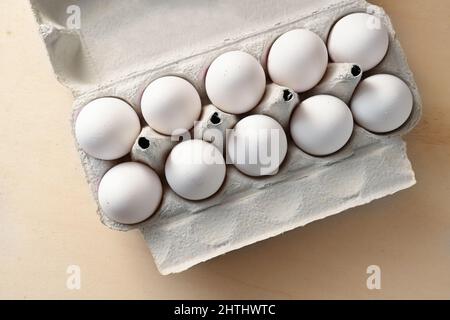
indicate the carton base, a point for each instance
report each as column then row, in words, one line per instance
column 370, row 172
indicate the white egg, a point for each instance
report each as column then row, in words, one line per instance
column 359, row 38
column 195, row 169
column 235, row 82
column 297, row 59
column 257, row 145
column 321, row 125
column 170, row 105
column 106, row 128
column 382, row 103
column 129, row 192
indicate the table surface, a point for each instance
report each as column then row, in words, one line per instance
column 48, row 217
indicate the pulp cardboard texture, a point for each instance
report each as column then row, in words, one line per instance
column 121, row 46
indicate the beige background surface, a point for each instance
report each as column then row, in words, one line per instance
column 48, row 219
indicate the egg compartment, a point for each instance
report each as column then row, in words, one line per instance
column 183, row 233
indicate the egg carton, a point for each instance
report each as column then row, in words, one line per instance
column 119, row 48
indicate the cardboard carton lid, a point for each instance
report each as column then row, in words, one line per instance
column 94, row 42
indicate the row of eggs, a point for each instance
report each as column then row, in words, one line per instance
column 106, row 128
